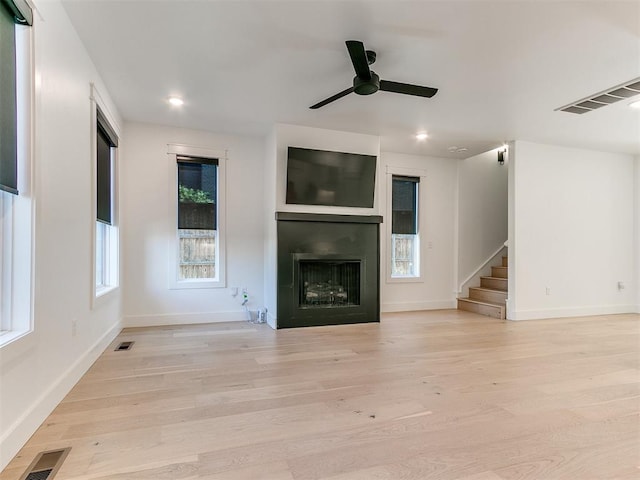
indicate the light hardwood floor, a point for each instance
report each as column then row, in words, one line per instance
column 424, row 395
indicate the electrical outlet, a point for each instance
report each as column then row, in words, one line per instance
column 620, row 285
column 234, row 291
column 548, row 290
column 74, row 327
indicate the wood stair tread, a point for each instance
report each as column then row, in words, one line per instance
column 495, row 278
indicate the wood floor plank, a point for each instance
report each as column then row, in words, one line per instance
column 421, row 395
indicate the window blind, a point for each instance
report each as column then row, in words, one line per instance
column 11, row 12
column 19, row 10
column 404, row 205
column 197, row 193
column 8, row 109
column 106, row 140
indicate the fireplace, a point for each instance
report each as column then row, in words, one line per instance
column 328, row 269
column 328, row 283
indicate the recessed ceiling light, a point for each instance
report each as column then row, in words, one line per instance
column 635, row 104
column 421, row 136
column 176, row 101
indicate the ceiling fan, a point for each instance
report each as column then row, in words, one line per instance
column 367, row 81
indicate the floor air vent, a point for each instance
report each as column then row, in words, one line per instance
column 46, row 465
column 124, row 346
column 602, row 99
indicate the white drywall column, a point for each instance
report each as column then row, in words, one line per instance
column 571, row 233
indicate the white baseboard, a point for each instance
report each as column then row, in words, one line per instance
column 572, row 312
column 272, row 321
column 21, row 430
column 182, row 318
column 416, row 306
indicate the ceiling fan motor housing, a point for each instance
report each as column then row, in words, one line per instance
column 366, row 87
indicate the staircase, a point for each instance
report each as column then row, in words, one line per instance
column 491, row 296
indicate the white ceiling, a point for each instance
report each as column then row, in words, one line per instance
column 501, row 67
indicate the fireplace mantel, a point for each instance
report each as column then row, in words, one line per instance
column 324, row 217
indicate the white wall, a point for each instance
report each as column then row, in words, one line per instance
column 150, row 224
column 637, row 233
column 271, row 235
column 39, row 369
column 437, row 235
column 482, row 210
column 572, row 232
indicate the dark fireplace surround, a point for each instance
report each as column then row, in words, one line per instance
column 328, row 269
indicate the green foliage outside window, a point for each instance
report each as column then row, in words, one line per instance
column 193, row 195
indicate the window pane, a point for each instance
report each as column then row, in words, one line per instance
column 197, row 254
column 404, row 260
column 404, row 227
column 101, row 243
column 6, row 208
column 197, row 218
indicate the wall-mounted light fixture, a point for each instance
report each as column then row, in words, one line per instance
column 501, row 156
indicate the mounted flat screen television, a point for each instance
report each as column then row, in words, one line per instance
column 319, row 177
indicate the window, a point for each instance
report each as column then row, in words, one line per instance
column 106, row 231
column 405, row 250
column 16, row 203
column 199, row 241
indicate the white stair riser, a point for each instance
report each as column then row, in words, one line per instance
column 500, row 272
column 494, row 283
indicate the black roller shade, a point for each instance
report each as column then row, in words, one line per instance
column 106, row 140
column 197, row 193
column 404, row 205
column 107, row 130
column 11, row 12
column 103, row 183
column 19, row 10
column 8, row 108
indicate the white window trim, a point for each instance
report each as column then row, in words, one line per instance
column 421, row 242
column 102, row 293
column 18, row 284
column 173, row 150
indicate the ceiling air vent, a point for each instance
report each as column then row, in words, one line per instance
column 602, row 99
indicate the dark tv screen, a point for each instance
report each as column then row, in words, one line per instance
column 318, row 177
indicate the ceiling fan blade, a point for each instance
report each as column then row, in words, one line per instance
column 359, row 59
column 332, row 99
column 407, row 89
